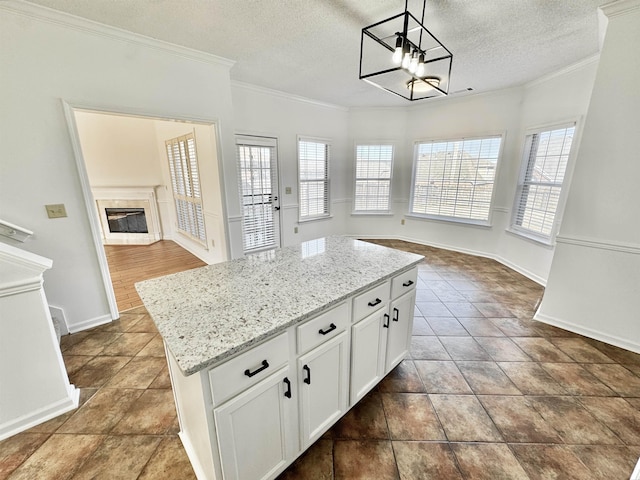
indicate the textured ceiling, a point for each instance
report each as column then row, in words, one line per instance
column 311, row 48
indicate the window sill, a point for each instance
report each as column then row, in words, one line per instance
column 451, row 220
column 371, row 214
column 540, row 241
column 313, row 219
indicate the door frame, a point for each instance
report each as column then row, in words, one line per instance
column 277, row 182
column 69, row 108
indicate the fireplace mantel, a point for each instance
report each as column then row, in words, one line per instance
column 128, row 197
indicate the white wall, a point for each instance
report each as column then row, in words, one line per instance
column 60, row 59
column 268, row 113
column 564, row 95
column 594, row 283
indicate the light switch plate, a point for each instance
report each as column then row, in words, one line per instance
column 56, row 211
column 287, row 190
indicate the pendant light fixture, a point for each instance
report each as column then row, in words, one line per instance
column 401, row 56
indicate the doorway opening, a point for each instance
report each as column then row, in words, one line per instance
column 130, row 197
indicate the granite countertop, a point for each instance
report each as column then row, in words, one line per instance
column 210, row 313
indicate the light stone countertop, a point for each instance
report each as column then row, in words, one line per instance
column 208, row 314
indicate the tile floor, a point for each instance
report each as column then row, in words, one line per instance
column 487, row 393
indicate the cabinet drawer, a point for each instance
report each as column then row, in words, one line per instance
column 404, row 282
column 368, row 302
column 323, row 327
column 248, row 368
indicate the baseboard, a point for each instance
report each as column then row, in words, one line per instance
column 90, row 323
column 530, row 275
column 587, row 332
column 41, row 415
column 200, row 472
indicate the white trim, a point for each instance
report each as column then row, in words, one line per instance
column 635, row 475
column 599, row 244
column 285, row 95
column 525, row 235
column 89, row 203
column 14, row 231
column 21, row 286
column 564, row 71
column 67, row 20
column 90, row 323
column 500, row 209
column 619, row 7
column 587, row 332
column 41, row 415
column 450, row 220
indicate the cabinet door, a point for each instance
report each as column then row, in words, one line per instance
column 368, row 348
column 399, row 335
column 323, row 380
column 257, row 429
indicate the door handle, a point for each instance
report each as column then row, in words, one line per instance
column 373, row 304
column 385, row 324
column 287, row 393
column 308, row 379
column 276, row 208
column 396, row 314
column 249, row 373
column 331, row 328
column 407, row 283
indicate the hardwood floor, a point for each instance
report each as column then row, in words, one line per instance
column 129, row 264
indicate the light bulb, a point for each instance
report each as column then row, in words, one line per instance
column 397, row 53
column 406, row 60
column 413, row 64
column 420, row 70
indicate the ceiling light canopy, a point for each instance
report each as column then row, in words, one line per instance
column 401, row 56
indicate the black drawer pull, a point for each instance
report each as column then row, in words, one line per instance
column 396, row 314
column 377, row 302
column 408, row 283
column 331, row 328
column 264, row 366
column 288, row 392
column 308, row 379
column 386, row 321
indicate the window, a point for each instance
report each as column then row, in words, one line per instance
column 373, row 178
column 185, row 181
column 313, row 177
column 546, row 155
column 257, row 169
column 453, row 179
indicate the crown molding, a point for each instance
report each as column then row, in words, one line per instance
column 288, row 96
column 67, row 20
column 564, row 71
column 620, row 7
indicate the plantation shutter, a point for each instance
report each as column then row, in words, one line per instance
column 313, row 175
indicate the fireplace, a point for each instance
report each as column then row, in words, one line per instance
column 126, row 220
column 128, row 215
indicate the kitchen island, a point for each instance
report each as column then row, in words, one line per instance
column 267, row 352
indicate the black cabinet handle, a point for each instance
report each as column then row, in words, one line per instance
column 373, row 304
column 264, row 366
column 331, row 328
column 308, row 379
column 386, row 321
column 407, row 283
column 396, row 314
column 287, row 393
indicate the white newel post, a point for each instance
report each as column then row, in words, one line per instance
column 34, row 386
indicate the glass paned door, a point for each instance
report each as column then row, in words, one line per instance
column 259, row 197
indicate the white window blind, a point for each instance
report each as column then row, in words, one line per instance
column 258, row 186
column 546, row 155
column 313, row 178
column 374, row 165
column 185, row 182
column 454, row 179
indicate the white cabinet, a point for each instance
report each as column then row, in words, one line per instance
column 381, row 341
column 368, row 345
column 323, row 386
column 257, row 436
column 399, row 331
